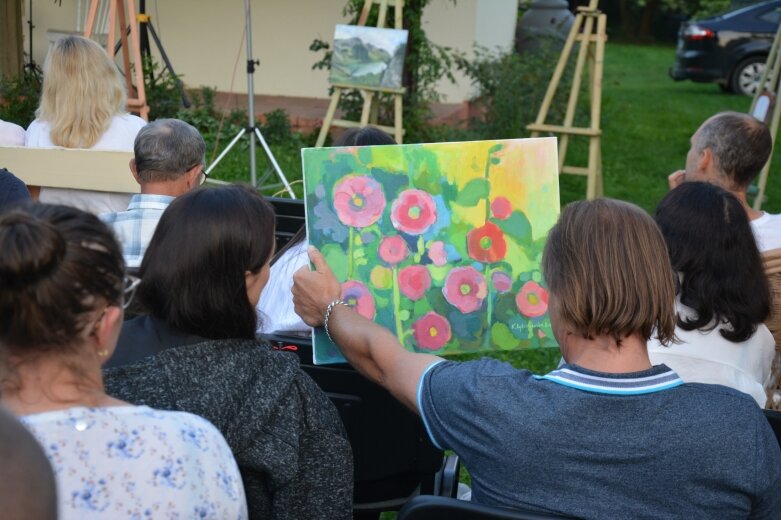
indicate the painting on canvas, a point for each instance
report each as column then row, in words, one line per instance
column 439, row 243
column 368, row 56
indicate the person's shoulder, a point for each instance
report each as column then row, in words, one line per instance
column 714, row 398
column 130, row 120
column 468, row 372
column 186, row 424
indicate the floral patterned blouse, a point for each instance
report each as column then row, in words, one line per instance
column 137, row 463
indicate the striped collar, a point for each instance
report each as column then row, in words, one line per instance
column 656, row 379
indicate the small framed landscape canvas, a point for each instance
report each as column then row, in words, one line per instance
column 439, row 243
column 368, row 56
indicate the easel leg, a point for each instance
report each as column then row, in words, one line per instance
column 398, row 113
column 329, row 116
column 367, row 106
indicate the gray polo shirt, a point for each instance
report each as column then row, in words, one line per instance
column 596, row 445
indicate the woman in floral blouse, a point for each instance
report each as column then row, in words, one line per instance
column 62, row 294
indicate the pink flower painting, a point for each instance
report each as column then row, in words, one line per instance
column 532, row 300
column 501, row 208
column 414, row 281
column 393, row 249
column 431, row 331
column 486, row 244
column 437, row 253
column 358, row 200
column 465, row 289
column 357, row 295
column 501, row 281
column 413, row 212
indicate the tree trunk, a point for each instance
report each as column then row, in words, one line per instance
column 11, row 58
column 646, row 22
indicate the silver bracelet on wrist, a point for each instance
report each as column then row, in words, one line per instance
column 328, row 315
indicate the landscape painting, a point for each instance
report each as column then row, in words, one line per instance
column 368, row 56
column 439, row 243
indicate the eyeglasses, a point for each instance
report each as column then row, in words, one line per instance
column 203, row 175
column 130, row 284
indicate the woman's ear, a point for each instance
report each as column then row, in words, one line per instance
column 106, row 332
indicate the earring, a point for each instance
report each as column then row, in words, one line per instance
column 103, row 353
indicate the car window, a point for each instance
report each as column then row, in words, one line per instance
column 772, row 16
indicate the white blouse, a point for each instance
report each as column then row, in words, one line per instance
column 136, row 462
column 275, row 307
column 707, row 357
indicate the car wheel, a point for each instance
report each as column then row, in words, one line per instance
column 746, row 76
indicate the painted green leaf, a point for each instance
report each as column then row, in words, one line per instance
column 475, row 191
column 502, row 337
column 517, row 226
column 337, row 260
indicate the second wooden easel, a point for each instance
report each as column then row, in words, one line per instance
column 769, row 88
column 118, row 8
column 589, row 30
column 369, row 109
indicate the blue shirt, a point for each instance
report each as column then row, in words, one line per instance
column 596, row 445
column 134, row 228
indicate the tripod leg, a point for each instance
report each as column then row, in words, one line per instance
column 273, row 161
column 226, row 150
column 179, row 85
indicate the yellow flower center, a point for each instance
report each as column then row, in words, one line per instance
column 357, row 201
column 465, row 289
column 485, row 242
column 432, row 331
column 533, row 299
column 414, row 212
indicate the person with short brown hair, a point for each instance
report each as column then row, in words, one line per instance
column 607, row 435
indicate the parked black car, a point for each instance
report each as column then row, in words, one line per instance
column 729, row 49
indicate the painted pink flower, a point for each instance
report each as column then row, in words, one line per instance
column 393, row 249
column 486, row 243
column 414, row 281
column 501, row 208
column 532, row 300
column 358, row 200
column 501, row 281
column 413, row 212
column 465, row 289
column 432, row 331
column 437, row 253
column 357, row 295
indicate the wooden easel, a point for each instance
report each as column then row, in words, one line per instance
column 592, row 50
column 369, row 109
column 770, row 82
column 117, row 7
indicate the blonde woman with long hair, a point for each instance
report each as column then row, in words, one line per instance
column 83, row 105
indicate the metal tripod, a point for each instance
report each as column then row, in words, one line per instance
column 251, row 129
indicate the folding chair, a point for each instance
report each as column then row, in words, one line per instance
column 394, row 458
column 442, row 508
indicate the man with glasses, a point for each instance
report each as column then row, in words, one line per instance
column 168, row 162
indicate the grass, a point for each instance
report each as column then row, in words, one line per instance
column 647, row 120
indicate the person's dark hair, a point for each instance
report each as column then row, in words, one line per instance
column 193, row 272
column 167, row 148
column 27, row 488
column 712, row 246
column 366, row 136
column 740, row 143
column 56, row 266
column 605, row 263
column 13, row 191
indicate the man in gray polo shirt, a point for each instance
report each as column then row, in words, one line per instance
column 607, row 435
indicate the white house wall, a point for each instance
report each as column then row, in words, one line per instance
column 204, row 38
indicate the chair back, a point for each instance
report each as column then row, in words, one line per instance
column 772, row 262
column 394, row 458
column 443, row 508
column 290, row 218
